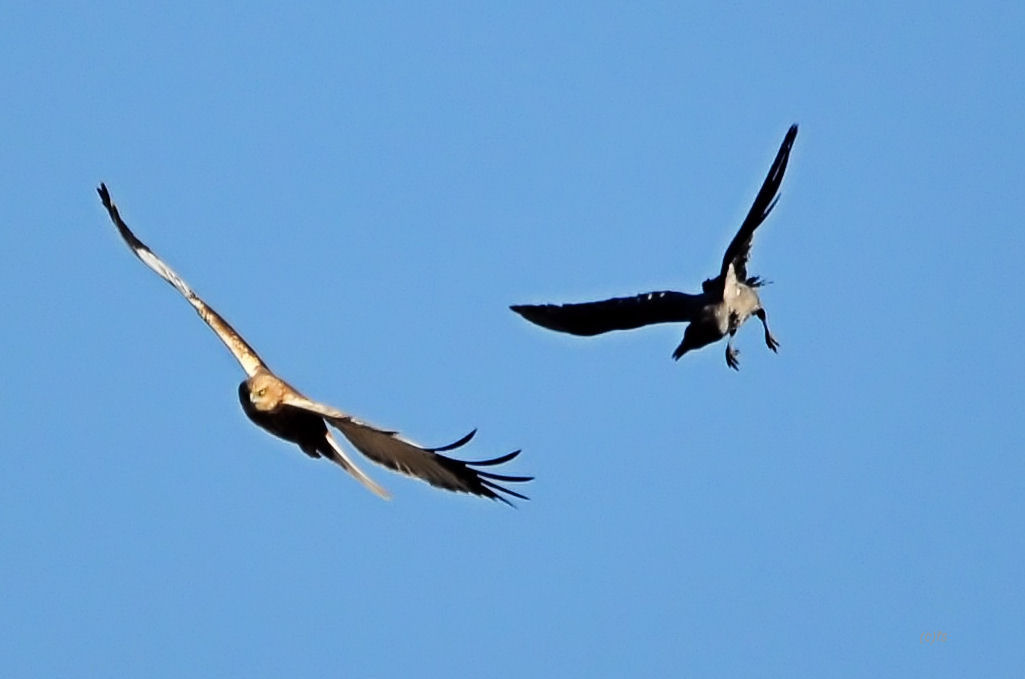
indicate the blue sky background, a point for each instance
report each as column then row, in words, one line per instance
column 363, row 190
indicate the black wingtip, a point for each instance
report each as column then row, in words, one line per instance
column 510, row 492
column 493, row 490
column 104, row 195
column 542, row 315
column 788, row 139
column 493, row 461
column 533, row 313
column 488, row 482
column 456, row 444
column 504, row 477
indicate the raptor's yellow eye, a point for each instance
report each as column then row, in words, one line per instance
column 262, row 392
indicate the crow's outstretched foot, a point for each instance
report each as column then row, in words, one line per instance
column 770, row 341
column 731, row 356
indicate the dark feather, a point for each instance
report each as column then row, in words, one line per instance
column 493, row 461
column 740, row 247
column 408, row 458
column 452, row 446
column 619, row 313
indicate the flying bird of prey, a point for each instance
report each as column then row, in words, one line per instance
column 279, row 408
column 721, row 307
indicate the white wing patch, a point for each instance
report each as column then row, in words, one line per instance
column 242, row 352
column 346, row 463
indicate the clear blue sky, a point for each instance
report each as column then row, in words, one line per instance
column 363, row 191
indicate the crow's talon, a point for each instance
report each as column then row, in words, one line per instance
column 731, row 357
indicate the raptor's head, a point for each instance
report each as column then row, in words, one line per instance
column 265, row 391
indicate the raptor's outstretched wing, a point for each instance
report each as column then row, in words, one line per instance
column 391, row 450
column 244, row 353
column 338, row 456
column 740, row 247
column 619, row 313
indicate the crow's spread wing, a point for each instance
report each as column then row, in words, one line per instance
column 619, row 313
column 740, row 247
